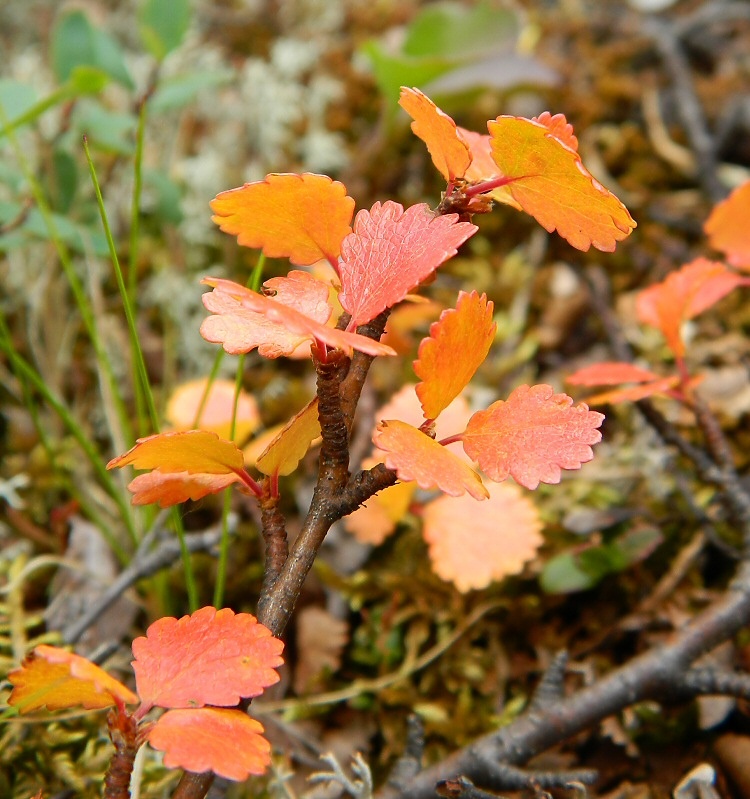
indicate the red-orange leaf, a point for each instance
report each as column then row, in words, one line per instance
column 416, row 456
column 727, row 227
column 458, row 344
column 610, row 373
column 392, row 250
column 242, row 330
column 532, row 436
column 210, row 658
column 300, row 217
column 550, row 182
column 471, row 545
column 288, row 448
column 175, row 487
column 193, row 451
column 684, row 294
column 438, row 131
column 53, row 678
column 227, row 742
column 292, row 320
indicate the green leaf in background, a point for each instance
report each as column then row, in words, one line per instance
column 62, row 181
column 87, row 80
column 106, row 130
column 583, row 568
column 394, row 70
column 452, row 30
column 76, row 42
column 162, row 196
column 163, row 24
column 78, row 237
column 16, row 98
column 176, row 92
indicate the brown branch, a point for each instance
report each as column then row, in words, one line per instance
column 340, row 383
column 273, row 530
column 648, row 676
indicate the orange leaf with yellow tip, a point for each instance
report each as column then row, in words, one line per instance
column 211, row 407
column 472, row 545
column 458, row 344
column 214, row 657
column 225, row 741
column 684, row 294
column 416, row 456
column 532, row 436
column 550, row 182
column 240, row 329
column 175, row 487
column 289, row 318
column 192, row 451
column 438, row 131
column 288, row 448
column 392, row 250
column 300, row 217
column 56, row 679
column 727, row 227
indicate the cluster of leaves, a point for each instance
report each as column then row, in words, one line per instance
column 377, row 258
column 197, row 667
column 681, row 296
column 388, row 251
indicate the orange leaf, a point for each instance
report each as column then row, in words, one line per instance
column 610, row 373
column 227, row 742
column 684, row 294
column 300, row 217
column 218, row 407
column 175, row 487
column 58, row 679
column 416, row 456
column 290, row 319
column 471, row 545
column 392, row 250
column 242, row 330
column 532, row 435
column 210, row 658
column 458, row 344
column 288, row 448
column 727, row 227
column 438, row 131
column 192, row 451
column 550, row 182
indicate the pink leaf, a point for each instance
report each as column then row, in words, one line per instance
column 290, row 319
column 532, row 436
column 473, row 544
column 392, row 250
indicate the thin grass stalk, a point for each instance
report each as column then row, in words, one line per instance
column 132, row 282
column 108, row 383
column 27, row 373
